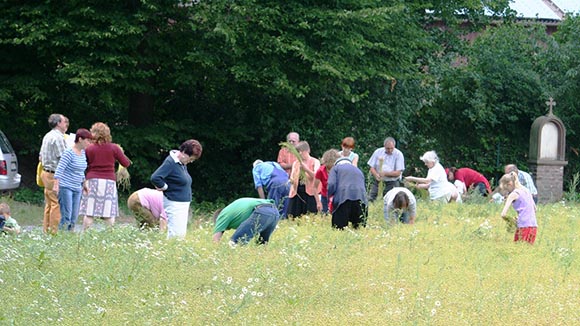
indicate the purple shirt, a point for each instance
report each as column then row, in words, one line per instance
column 153, row 201
column 525, row 208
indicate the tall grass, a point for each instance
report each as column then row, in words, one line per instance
column 456, row 266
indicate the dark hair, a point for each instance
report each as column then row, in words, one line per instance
column 191, row 147
column 401, row 200
column 216, row 214
column 83, row 133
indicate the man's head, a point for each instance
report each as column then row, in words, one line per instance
column 510, row 168
column 389, row 144
column 58, row 121
column 293, row 138
column 216, row 214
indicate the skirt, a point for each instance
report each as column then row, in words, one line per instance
column 101, row 200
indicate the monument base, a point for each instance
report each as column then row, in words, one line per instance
column 549, row 179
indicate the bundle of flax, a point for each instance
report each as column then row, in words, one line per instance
column 511, row 224
column 381, row 183
column 123, row 176
column 290, row 148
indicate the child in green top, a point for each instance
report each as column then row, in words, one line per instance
column 8, row 225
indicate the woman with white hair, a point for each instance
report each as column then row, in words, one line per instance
column 436, row 181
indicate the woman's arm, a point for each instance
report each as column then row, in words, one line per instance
column 317, row 196
column 418, row 180
column 295, row 173
column 121, row 157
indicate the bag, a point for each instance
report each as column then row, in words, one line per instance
column 38, row 173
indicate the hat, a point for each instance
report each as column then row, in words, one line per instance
column 256, row 162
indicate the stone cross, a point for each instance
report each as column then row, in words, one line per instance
column 551, row 105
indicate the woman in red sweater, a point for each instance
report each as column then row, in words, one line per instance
column 100, row 196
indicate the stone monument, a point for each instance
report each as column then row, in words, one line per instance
column 547, row 155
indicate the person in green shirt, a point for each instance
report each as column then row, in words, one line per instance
column 250, row 217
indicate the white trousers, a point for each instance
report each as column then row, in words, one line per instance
column 177, row 216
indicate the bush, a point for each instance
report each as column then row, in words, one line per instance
column 30, row 196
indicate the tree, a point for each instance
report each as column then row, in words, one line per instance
column 490, row 95
column 235, row 75
column 563, row 76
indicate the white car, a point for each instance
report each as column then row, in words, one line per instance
column 9, row 176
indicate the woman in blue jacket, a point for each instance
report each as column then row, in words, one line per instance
column 346, row 187
column 174, row 180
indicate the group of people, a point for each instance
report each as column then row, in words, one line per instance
column 81, row 180
column 336, row 185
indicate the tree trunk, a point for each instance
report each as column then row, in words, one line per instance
column 140, row 109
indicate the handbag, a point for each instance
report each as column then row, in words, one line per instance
column 38, row 173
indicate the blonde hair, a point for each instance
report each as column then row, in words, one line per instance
column 101, row 133
column 4, row 209
column 505, row 181
column 329, row 157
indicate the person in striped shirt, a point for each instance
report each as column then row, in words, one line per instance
column 69, row 179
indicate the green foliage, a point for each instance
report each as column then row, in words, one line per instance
column 489, row 96
column 564, row 79
column 34, row 196
column 238, row 76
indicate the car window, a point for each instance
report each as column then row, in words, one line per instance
column 5, row 144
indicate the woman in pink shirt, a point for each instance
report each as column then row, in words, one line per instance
column 302, row 188
column 147, row 206
column 101, row 181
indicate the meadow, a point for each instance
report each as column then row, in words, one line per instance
column 457, row 265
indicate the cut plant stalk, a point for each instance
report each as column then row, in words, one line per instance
column 294, row 152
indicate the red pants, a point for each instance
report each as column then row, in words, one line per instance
column 526, row 234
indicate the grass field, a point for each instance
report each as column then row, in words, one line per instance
column 456, row 266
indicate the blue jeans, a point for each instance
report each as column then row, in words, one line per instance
column 279, row 193
column 324, row 201
column 69, row 201
column 262, row 221
column 480, row 188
